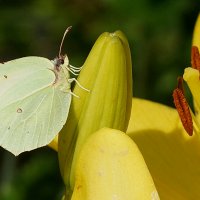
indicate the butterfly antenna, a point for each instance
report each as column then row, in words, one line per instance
column 65, row 33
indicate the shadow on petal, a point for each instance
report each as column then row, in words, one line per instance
column 173, row 157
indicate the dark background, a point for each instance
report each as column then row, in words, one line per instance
column 159, row 34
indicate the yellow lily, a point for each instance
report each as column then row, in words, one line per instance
column 171, row 154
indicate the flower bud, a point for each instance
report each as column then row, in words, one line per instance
column 107, row 73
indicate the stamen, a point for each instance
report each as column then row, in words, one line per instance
column 180, row 84
column 195, row 58
column 183, row 110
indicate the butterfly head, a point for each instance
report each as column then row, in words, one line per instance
column 59, row 61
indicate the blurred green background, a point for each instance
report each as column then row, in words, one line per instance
column 159, row 33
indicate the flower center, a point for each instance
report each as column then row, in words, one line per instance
column 191, row 75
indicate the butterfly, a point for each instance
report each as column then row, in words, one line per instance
column 35, row 97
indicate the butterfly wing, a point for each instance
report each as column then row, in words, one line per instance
column 32, row 110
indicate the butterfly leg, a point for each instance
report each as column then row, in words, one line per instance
column 72, row 71
column 75, row 69
column 74, row 94
column 73, row 79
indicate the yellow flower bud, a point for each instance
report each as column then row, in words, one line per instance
column 107, row 73
column 110, row 166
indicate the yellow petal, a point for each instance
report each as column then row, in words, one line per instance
column 196, row 34
column 173, row 157
column 110, row 166
column 107, row 74
column 191, row 76
column 149, row 117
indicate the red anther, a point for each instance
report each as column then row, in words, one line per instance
column 180, row 84
column 183, row 110
column 195, row 58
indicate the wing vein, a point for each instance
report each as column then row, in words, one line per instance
column 50, row 114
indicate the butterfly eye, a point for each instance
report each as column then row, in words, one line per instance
column 57, row 62
column 61, row 61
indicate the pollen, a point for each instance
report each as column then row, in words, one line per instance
column 183, row 110
column 195, row 58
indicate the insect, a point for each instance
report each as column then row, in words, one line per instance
column 35, row 98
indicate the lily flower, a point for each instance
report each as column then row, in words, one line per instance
column 169, row 140
column 108, row 76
